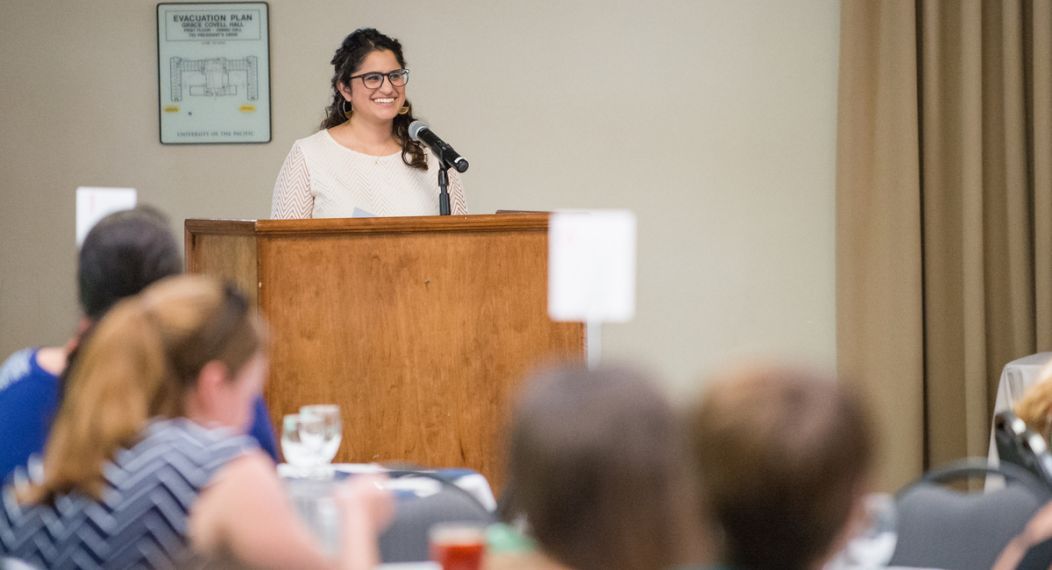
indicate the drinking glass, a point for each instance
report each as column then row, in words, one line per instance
column 874, row 545
column 300, row 447
column 324, row 430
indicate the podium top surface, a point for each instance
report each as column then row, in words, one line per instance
column 408, row 224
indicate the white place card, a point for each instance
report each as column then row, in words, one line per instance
column 93, row 204
column 592, row 266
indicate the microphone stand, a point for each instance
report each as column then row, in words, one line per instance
column 443, row 190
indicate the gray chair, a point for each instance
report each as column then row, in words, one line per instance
column 1019, row 445
column 939, row 527
column 406, row 539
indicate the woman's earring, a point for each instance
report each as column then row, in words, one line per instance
column 346, row 108
column 404, row 110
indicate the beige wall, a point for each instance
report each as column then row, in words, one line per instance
column 713, row 120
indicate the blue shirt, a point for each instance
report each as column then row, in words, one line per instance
column 29, row 401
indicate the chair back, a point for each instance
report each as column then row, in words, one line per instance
column 1019, row 445
column 940, row 527
column 406, row 539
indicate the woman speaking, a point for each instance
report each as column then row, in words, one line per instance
column 363, row 162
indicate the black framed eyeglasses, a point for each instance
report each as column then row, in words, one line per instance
column 375, row 79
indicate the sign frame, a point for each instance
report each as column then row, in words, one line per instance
column 213, row 59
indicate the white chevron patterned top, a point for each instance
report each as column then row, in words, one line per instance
column 323, row 179
column 141, row 521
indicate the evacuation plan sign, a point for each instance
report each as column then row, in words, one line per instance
column 213, row 65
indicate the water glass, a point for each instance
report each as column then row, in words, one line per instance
column 324, row 430
column 300, row 447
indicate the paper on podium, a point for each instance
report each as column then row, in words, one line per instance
column 93, row 204
column 592, row 266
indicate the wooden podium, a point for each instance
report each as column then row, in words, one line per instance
column 420, row 328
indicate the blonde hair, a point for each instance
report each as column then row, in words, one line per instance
column 1035, row 408
column 139, row 363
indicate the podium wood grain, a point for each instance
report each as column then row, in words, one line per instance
column 421, row 329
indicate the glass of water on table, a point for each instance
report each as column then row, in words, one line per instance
column 325, row 431
column 311, row 438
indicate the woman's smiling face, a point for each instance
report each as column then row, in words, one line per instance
column 383, row 102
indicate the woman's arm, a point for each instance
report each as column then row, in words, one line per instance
column 246, row 513
column 366, row 509
column 292, row 195
column 1038, row 530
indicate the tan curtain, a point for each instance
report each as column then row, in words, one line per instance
column 944, row 214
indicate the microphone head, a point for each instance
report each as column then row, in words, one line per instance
column 414, row 129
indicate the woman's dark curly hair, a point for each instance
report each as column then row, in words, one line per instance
column 346, row 63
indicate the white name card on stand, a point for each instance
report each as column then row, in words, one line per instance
column 592, row 270
column 592, row 266
column 93, row 204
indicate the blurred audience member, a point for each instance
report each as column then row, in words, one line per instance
column 1032, row 548
column 146, row 466
column 595, row 467
column 122, row 254
column 1035, row 408
column 784, row 459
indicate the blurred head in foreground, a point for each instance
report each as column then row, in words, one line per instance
column 595, row 466
column 783, row 459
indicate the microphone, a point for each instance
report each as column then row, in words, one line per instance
column 420, row 131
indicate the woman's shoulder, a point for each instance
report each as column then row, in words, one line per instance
column 179, row 445
column 323, row 147
column 164, row 428
column 23, row 365
column 182, row 437
column 316, row 141
column 16, row 367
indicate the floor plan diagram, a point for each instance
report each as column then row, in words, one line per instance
column 215, row 77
